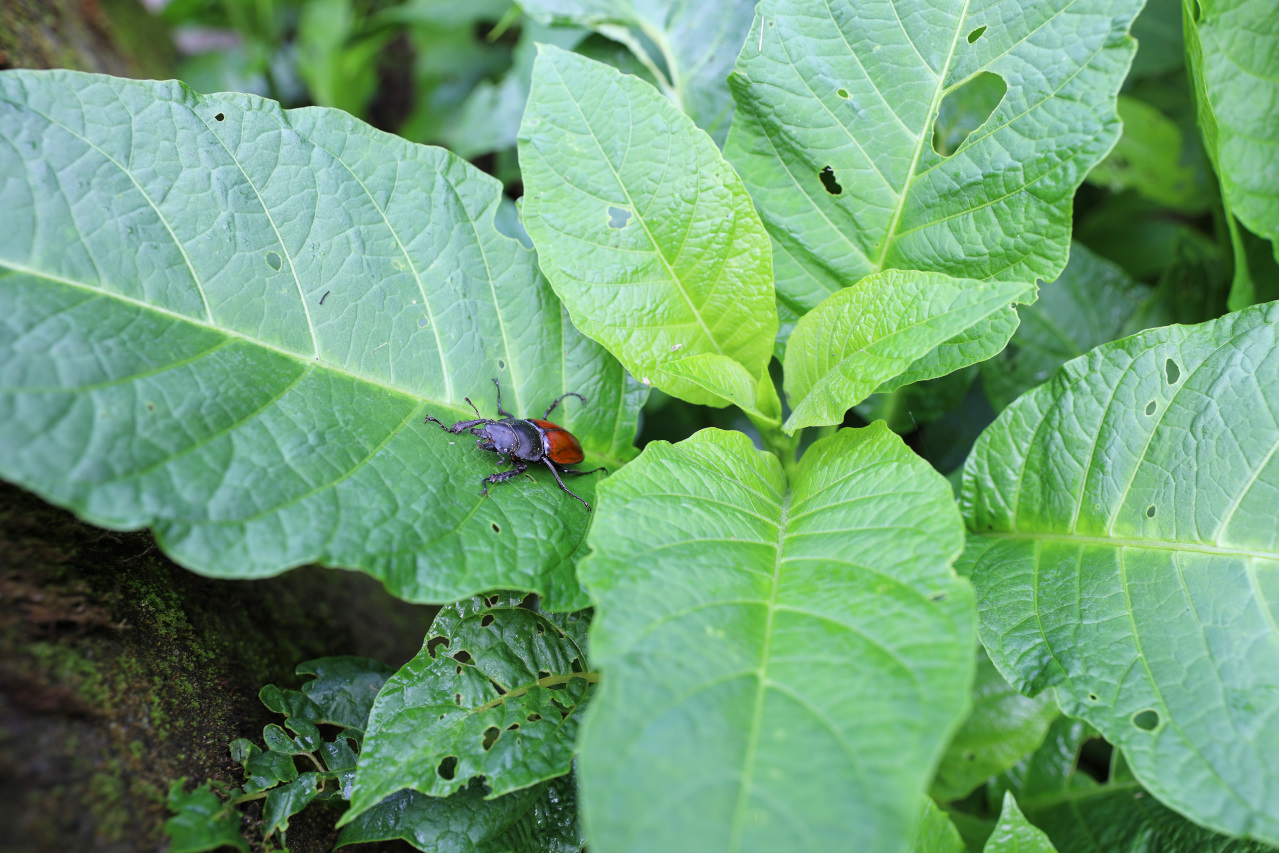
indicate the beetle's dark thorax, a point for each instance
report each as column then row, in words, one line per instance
column 518, row 438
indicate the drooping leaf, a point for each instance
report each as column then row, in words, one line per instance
column 227, row 322
column 726, row 378
column 1124, row 549
column 1002, row 727
column 1014, row 834
column 781, row 668
column 888, row 329
column 1081, row 815
column 691, row 44
column 643, row 229
column 1231, row 44
column 837, row 108
column 1091, row 303
column 201, row 821
column 495, row 692
column 1147, row 158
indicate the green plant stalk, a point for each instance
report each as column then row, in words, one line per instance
column 784, row 447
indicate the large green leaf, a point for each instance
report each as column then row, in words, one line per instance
column 643, row 229
column 1124, row 549
column 689, row 44
column 227, row 321
column 1236, row 65
column 495, row 692
column 834, row 134
column 886, row 330
column 782, row 668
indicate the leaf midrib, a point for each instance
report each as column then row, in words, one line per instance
column 1124, row 542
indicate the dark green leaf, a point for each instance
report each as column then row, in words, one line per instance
column 838, row 106
column 285, row 801
column 1124, row 550
column 1091, row 303
column 201, row 821
column 344, row 688
column 495, row 692
column 643, row 229
column 227, row 322
column 781, row 668
column 1002, row 727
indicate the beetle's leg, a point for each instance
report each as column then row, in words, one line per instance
column 556, row 472
column 457, row 427
column 502, row 476
column 499, row 401
column 577, row 473
column 472, row 405
column 551, row 408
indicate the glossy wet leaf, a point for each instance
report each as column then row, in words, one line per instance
column 838, row 105
column 1002, row 727
column 284, row 802
column 690, row 42
column 781, row 666
column 465, row 822
column 888, row 329
column 226, row 322
column 1091, row 303
column 1124, row 549
column 496, row 691
column 643, row 229
column 201, row 821
column 1015, row 834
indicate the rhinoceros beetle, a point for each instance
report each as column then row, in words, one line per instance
column 518, row 441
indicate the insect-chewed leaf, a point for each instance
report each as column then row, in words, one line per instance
column 843, row 108
column 1124, row 549
column 495, row 692
column 227, row 321
column 781, row 667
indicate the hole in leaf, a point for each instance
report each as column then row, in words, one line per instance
column 496, row 529
column 1150, row 408
column 422, row 322
column 513, row 727
column 1092, row 697
column 492, row 601
column 1147, row 720
column 843, row 93
column 966, row 109
column 576, row 665
column 434, row 643
column 459, row 669
column 486, row 621
column 274, row 261
column 462, row 657
column 541, row 673
column 491, row 734
column 941, row 596
column 976, row 34
column 448, row 767
column 618, row 217
column 533, row 718
column 541, row 629
column 219, row 117
column 828, row 181
column 1150, row 511
column 501, row 365
column 1173, row 371
column 501, row 691
column 457, row 699
column 573, row 617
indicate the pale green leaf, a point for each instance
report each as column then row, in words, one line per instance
column 1236, row 63
column 936, row 833
column 1124, row 548
column 643, row 229
column 495, row 692
column 1147, row 158
column 837, row 109
column 781, row 667
column 726, row 378
column 227, row 322
column 867, row 337
column 1002, row 727
column 1014, row 834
